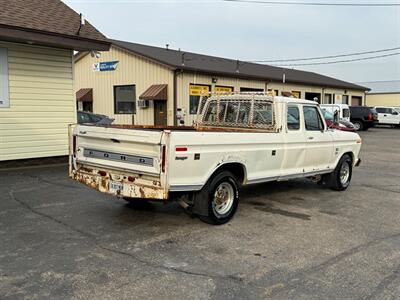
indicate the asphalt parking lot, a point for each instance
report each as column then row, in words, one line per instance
column 289, row 240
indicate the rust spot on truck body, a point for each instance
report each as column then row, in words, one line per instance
column 147, row 189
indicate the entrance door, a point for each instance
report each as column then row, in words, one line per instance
column 160, row 113
column 356, row 101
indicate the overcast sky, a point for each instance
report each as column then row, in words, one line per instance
column 248, row 31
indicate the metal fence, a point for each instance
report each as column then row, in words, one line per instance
column 240, row 110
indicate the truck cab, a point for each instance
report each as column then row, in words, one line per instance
column 388, row 115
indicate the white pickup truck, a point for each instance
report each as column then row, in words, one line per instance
column 239, row 139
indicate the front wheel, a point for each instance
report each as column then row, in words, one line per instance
column 340, row 178
column 358, row 125
column 223, row 199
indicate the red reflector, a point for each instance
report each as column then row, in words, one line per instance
column 163, row 158
column 181, row 149
column 102, row 173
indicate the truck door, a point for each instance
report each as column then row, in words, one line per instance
column 384, row 115
column 319, row 141
column 295, row 143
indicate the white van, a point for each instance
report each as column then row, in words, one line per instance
column 388, row 115
column 344, row 110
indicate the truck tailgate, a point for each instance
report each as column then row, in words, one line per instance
column 122, row 149
column 119, row 161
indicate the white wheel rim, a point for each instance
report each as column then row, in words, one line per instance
column 357, row 126
column 223, row 198
column 344, row 173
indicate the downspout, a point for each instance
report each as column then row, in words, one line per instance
column 175, row 103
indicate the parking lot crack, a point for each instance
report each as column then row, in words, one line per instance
column 382, row 286
column 95, row 241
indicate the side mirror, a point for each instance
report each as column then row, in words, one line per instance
column 395, row 113
column 336, row 117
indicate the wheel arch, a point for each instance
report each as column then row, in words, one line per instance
column 238, row 169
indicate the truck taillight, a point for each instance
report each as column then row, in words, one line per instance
column 370, row 116
column 163, row 158
column 74, row 145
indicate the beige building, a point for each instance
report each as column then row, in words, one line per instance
column 37, row 101
column 383, row 93
column 139, row 84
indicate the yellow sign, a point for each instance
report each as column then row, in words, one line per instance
column 273, row 92
column 198, row 90
column 223, row 89
column 296, row 94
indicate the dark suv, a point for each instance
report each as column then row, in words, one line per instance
column 363, row 117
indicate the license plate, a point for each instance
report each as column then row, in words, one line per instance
column 116, row 186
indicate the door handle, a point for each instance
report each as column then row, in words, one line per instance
column 385, row 115
column 310, row 137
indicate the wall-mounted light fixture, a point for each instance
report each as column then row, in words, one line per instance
column 214, row 80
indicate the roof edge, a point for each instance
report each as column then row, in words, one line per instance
column 51, row 39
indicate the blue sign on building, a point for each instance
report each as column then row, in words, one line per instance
column 105, row 66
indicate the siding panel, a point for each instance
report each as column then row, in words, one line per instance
column 131, row 70
column 42, row 102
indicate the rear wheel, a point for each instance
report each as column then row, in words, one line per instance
column 222, row 198
column 358, row 125
column 340, row 178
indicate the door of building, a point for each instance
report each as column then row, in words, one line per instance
column 356, row 101
column 160, row 113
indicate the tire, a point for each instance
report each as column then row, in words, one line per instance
column 358, row 125
column 225, row 185
column 340, row 178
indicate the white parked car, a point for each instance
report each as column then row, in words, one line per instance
column 342, row 109
column 239, row 139
column 388, row 115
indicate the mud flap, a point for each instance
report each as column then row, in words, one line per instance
column 200, row 201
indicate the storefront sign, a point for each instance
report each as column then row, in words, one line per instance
column 105, row 66
column 198, row 90
column 223, row 89
column 296, row 94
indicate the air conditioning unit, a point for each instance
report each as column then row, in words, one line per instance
column 143, row 103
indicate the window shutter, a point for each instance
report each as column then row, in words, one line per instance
column 4, row 86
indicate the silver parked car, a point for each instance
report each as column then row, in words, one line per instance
column 90, row 118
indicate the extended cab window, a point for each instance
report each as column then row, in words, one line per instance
column 312, row 118
column 293, row 118
column 381, row 110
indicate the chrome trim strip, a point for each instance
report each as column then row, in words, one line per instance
column 286, row 177
column 185, row 188
column 126, row 158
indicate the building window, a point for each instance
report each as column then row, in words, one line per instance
column 328, row 98
column 195, row 92
column 124, row 99
column 245, row 89
column 4, row 85
column 345, row 99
